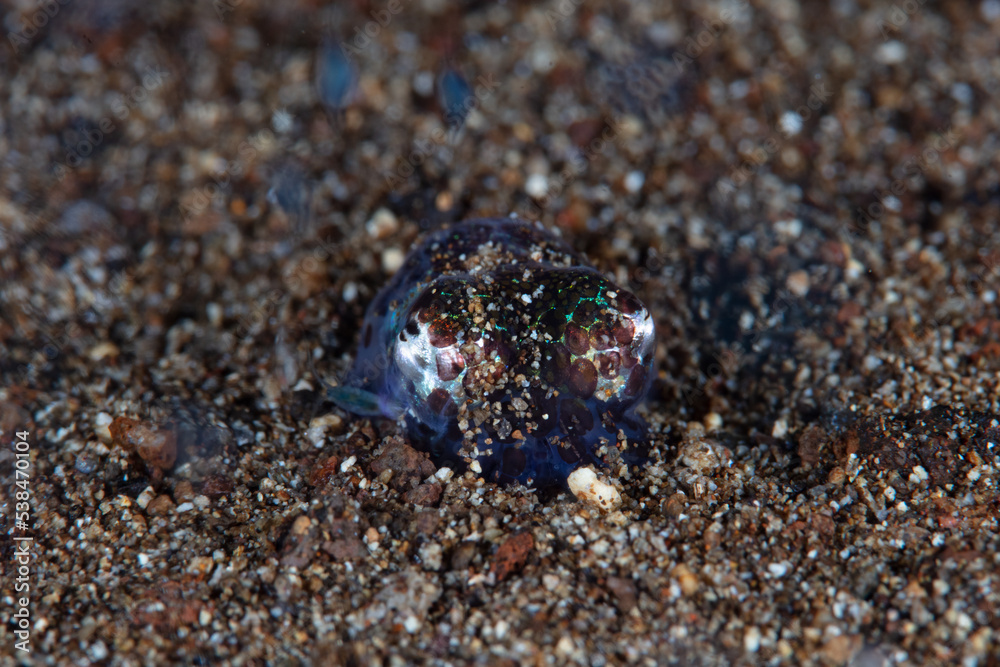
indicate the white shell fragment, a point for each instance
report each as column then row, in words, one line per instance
column 585, row 485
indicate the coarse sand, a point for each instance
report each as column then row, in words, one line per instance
column 198, row 200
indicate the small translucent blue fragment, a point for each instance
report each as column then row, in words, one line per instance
column 336, row 76
column 291, row 191
column 456, row 98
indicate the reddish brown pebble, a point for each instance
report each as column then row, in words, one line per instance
column 348, row 548
column 989, row 351
column 582, row 132
column 324, row 470
column 834, row 252
column 407, row 464
column 299, row 545
column 14, row 418
column 512, row 555
column 811, row 445
column 427, row 522
column 165, row 607
column 156, row 447
column 848, row 312
column 624, row 592
column 424, row 495
column 215, row 486
column 675, row 505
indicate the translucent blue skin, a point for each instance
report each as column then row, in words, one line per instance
column 503, row 350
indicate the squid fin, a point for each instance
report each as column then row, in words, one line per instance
column 357, row 401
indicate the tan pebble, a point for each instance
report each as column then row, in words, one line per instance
column 138, row 524
column 839, row 650
column 144, row 498
column 271, row 389
column 979, row 642
column 524, row 133
column 798, row 283
column 305, row 276
column 695, row 429
column 444, row 201
column 183, row 491
column 791, row 157
column 101, row 423
column 686, row 579
column 102, row 351
column 392, row 259
column 836, row 476
column 915, row 590
column 713, row 421
column 854, row 269
column 200, row 565
column 565, row 646
column 331, row 423
column 160, row 505
column 674, row 505
column 704, row 456
column 618, row 519
column 383, row 224
column 301, row 526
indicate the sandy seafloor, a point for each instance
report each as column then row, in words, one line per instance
column 822, row 487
